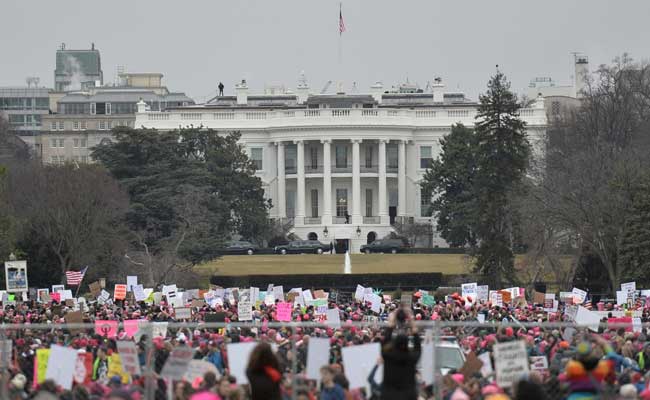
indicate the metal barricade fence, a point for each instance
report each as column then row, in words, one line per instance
column 447, row 349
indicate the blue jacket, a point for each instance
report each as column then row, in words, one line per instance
column 216, row 359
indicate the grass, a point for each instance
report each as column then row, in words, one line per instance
column 333, row 264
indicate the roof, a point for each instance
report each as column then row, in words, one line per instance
column 341, row 100
column 130, row 96
column 89, row 61
column 24, row 92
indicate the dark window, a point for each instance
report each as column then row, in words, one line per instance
column 314, row 203
column 341, row 156
column 100, row 108
column 425, row 157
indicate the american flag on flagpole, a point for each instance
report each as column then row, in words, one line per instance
column 341, row 23
column 74, row 278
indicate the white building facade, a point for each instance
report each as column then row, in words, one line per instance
column 342, row 168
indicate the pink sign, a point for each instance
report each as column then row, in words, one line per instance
column 131, row 327
column 284, row 311
column 106, row 328
column 55, row 297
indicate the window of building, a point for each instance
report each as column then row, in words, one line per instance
column 257, row 154
column 100, row 108
column 42, row 103
column 425, row 203
column 425, row 157
column 341, row 202
column 93, row 108
column 555, row 108
column 102, row 125
column 54, row 143
column 61, row 125
column 83, row 125
column 16, row 119
column 75, row 143
column 37, row 119
column 290, row 152
column 369, row 150
column 369, row 203
column 392, row 155
column 75, row 126
column 314, row 203
column 341, row 152
column 53, row 126
column 108, row 108
column 83, row 143
column 291, row 204
column 109, row 125
column 54, row 159
column 313, row 157
column 61, row 145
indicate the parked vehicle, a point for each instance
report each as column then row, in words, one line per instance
column 303, row 246
column 384, row 246
column 240, row 247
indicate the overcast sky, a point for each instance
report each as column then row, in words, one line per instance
column 196, row 44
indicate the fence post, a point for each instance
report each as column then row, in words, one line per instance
column 437, row 378
column 294, row 363
column 7, row 349
column 149, row 369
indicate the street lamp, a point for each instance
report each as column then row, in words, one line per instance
column 358, row 231
column 325, row 232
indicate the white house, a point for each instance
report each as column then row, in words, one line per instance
column 341, row 167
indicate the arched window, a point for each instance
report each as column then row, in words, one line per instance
column 312, row 236
column 372, row 236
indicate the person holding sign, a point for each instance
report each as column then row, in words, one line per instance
column 263, row 373
column 400, row 362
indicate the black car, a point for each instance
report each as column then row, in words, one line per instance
column 384, row 246
column 240, row 247
column 303, row 246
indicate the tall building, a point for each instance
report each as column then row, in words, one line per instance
column 24, row 108
column 341, row 167
column 84, row 119
column 77, row 69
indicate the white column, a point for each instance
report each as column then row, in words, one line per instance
column 383, row 209
column 356, row 183
column 300, row 187
column 401, row 180
column 281, row 201
column 327, row 182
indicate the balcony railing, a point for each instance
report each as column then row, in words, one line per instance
column 338, row 220
column 392, row 169
column 371, row 220
column 369, row 168
column 312, row 220
column 313, row 169
column 290, row 169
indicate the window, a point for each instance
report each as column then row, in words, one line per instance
column 16, row 119
column 291, row 203
column 108, row 108
column 93, row 108
column 83, row 125
column 100, row 108
column 75, row 126
column 314, row 203
column 61, row 143
column 369, row 203
column 102, row 125
column 425, row 157
column 109, row 125
column 392, row 155
column 257, row 154
column 53, row 126
column 54, row 143
column 75, row 143
column 341, row 202
column 61, row 125
column 54, row 159
column 83, row 143
column 290, row 159
column 369, row 150
column 341, row 153
column 313, row 157
column 555, row 108
column 425, row 203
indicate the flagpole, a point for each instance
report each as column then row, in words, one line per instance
column 339, row 86
column 82, row 279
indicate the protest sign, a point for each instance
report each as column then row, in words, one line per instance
column 177, row 363
column 539, row 363
column 131, row 326
column 538, row 297
column 245, row 310
column 74, row 317
column 425, row 365
column 320, row 294
column 130, row 282
column 480, row 318
column 482, row 292
column 628, row 287
column 578, row 295
column 159, row 329
column 198, row 369
column 16, row 276
column 120, row 292
column 358, row 294
column 269, row 299
column 306, row 294
column 283, row 311
column 621, row 297
column 115, row 368
column 278, row 292
column 358, row 361
column 333, row 318
column 106, row 328
column 66, row 295
column 41, row 363
column 506, row 296
column 40, row 295
column 406, row 300
column 566, row 297
column 486, row 369
column 138, row 292
column 588, row 318
column 510, row 362
column 469, row 290
column 183, row 313
column 318, row 354
column 57, row 288
column 129, row 356
column 428, row 300
column 471, row 366
column 95, row 288
column 83, row 369
column 5, row 353
column 320, row 306
column 238, row 355
column 62, row 370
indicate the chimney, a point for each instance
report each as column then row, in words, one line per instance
column 302, row 90
column 376, row 91
column 581, row 74
column 438, row 89
column 242, row 92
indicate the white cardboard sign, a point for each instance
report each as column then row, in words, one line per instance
column 510, row 362
column 318, row 354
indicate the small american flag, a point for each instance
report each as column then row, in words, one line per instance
column 74, row 278
column 341, row 23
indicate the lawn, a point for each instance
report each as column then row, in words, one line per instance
column 332, row 264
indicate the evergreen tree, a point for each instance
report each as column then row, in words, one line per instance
column 502, row 157
column 449, row 181
column 634, row 249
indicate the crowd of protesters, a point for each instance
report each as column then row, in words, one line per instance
column 612, row 362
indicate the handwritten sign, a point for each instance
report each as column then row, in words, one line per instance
column 510, row 362
column 120, row 292
column 284, row 311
